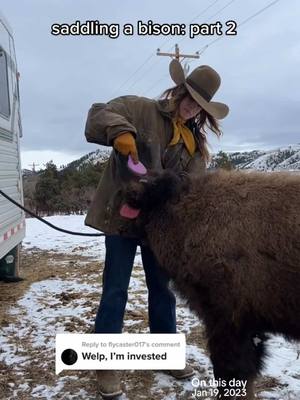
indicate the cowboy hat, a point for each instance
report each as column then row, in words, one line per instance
column 202, row 83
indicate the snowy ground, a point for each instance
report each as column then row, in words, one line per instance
column 61, row 294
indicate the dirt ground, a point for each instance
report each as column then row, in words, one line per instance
column 19, row 380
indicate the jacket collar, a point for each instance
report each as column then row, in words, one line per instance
column 165, row 107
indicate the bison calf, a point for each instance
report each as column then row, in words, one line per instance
column 231, row 243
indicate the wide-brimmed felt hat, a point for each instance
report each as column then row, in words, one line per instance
column 202, row 83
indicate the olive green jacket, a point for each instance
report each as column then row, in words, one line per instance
column 150, row 123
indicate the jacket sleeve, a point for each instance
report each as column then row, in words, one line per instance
column 197, row 165
column 106, row 121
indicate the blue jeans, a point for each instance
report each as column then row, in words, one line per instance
column 120, row 253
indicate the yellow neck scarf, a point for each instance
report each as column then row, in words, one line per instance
column 180, row 130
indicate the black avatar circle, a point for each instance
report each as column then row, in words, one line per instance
column 69, row 356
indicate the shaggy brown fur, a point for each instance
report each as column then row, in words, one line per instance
column 231, row 243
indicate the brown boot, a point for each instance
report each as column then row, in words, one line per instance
column 109, row 384
column 187, row 372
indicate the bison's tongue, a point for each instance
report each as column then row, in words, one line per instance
column 129, row 212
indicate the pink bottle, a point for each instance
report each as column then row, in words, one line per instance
column 138, row 169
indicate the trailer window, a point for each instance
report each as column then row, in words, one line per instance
column 4, row 94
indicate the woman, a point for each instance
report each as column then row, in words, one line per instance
column 168, row 133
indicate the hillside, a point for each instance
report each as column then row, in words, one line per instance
column 280, row 159
column 70, row 189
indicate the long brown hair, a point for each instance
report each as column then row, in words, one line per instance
column 202, row 121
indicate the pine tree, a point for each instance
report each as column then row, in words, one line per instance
column 222, row 160
column 67, row 191
column 47, row 190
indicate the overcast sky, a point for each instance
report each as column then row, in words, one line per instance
column 61, row 76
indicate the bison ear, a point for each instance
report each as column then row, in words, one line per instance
column 173, row 185
column 179, row 185
column 185, row 181
column 134, row 193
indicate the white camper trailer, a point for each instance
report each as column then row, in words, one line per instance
column 12, row 219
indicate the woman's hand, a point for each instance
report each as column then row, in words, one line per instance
column 125, row 144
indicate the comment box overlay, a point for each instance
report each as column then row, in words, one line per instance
column 120, row 351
